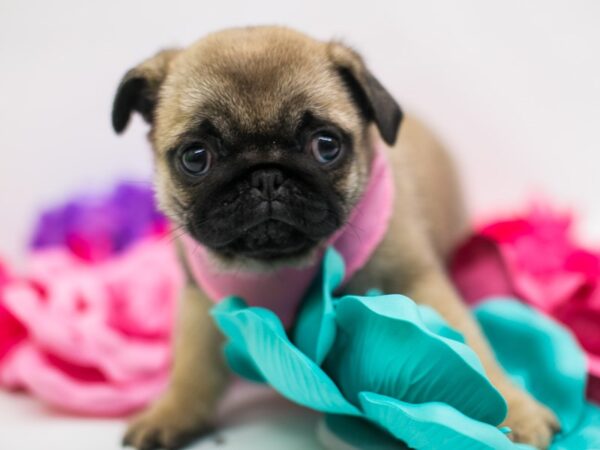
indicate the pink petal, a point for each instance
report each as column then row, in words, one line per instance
column 84, row 339
column 479, row 272
column 97, row 336
column 585, row 324
column 28, row 369
column 12, row 332
column 593, row 389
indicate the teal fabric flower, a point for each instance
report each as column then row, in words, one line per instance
column 389, row 373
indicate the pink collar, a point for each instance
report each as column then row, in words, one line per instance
column 281, row 291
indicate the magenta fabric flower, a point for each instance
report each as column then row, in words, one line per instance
column 12, row 332
column 535, row 258
column 91, row 338
column 97, row 227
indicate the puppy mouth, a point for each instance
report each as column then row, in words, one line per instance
column 281, row 224
column 270, row 239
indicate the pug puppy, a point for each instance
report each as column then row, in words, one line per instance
column 253, row 108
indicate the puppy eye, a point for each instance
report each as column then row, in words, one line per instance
column 325, row 147
column 196, row 160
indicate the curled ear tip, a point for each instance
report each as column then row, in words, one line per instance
column 125, row 100
column 138, row 89
column 390, row 128
column 389, row 138
column 119, row 120
column 119, row 128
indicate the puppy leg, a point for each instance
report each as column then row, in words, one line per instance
column 531, row 422
column 186, row 409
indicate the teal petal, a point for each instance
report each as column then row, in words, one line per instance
column 585, row 435
column 437, row 325
column 258, row 336
column 241, row 363
column 357, row 433
column 235, row 351
column 539, row 354
column 432, row 426
column 384, row 346
column 229, row 305
column 373, row 292
column 403, row 369
column 315, row 327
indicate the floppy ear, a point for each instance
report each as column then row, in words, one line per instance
column 373, row 99
column 138, row 90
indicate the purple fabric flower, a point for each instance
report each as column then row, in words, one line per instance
column 97, row 227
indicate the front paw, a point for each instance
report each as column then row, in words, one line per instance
column 530, row 421
column 167, row 426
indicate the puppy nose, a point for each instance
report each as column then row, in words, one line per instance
column 267, row 181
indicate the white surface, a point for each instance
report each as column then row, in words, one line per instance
column 253, row 418
column 513, row 87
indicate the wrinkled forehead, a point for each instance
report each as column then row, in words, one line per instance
column 254, row 91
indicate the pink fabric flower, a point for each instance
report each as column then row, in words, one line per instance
column 534, row 257
column 12, row 332
column 90, row 338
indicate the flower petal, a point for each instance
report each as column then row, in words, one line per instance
column 384, row 346
column 432, row 425
column 12, row 332
column 436, row 324
column 97, row 227
column 66, row 308
column 27, row 368
column 236, row 352
column 355, row 433
column 586, row 435
column 315, row 327
column 258, row 334
column 241, row 364
column 549, row 363
column 479, row 271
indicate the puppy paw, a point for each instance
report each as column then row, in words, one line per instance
column 166, row 427
column 531, row 422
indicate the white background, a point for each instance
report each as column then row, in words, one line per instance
column 512, row 86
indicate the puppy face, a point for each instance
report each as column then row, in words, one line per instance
column 260, row 139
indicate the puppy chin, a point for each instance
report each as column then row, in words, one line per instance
column 264, row 245
column 232, row 262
